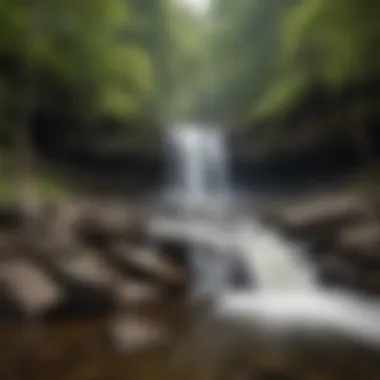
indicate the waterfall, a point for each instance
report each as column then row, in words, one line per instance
column 281, row 313
column 198, row 183
column 275, row 262
column 197, row 167
column 199, row 179
column 284, row 292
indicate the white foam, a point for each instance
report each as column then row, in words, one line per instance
column 274, row 262
column 318, row 311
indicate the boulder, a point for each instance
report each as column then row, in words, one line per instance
column 148, row 263
column 371, row 282
column 9, row 308
column 60, row 221
column 11, row 217
column 88, row 268
column 338, row 272
column 319, row 215
column 130, row 293
column 362, row 239
column 111, row 217
column 176, row 251
column 101, row 229
column 33, row 290
column 134, row 334
column 87, row 284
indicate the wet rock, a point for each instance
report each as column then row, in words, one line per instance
column 133, row 334
column 175, row 251
column 183, row 231
column 136, row 232
column 240, row 278
column 338, row 272
column 320, row 215
column 317, row 228
column 91, row 236
column 99, row 233
column 85, row 266
column 85, row 281
column 323, row 205
column 150, row 263
column 32, row 289
column 134, row 293
column 7, row 248
column 371, row 283
column 8, row 306
column 322, row 245
column 60, row 222
column 83, row 300
column 11, row 217
column 361, row 239
column 112, row 218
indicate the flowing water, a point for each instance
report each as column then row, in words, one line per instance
column 197, row 166
column 198, row 184
column 200, row 181
column 284, row 297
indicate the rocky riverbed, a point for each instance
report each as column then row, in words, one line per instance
column 84, row 295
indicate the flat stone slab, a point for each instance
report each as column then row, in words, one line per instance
column 361, row 238
column 338, row 271
column 134, row 334
column 88, row 268
column 312, row 210
column 30, row 287
column 150, row 262
column 109, row 218
column 133, row 293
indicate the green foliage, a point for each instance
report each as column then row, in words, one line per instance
column 280, row 97
column 342, row 33
column 125, row 59
column 264, row 55
column 326, row 41
column 114, row 59
column 243, row 47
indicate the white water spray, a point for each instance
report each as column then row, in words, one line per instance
column 198, row 167
column 286, row 295
column 274, row 262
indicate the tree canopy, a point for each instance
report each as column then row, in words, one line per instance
column 264, row 55
column 116, row 59
column 124, row 60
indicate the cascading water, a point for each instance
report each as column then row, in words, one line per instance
column 274, row 262
column 197, row 166
column 199, row 180
column 285, row 292
column 198, row 183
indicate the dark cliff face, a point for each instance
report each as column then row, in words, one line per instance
column 145, row 166
column 331, row 152
column 140, row 161
column 313, row 167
